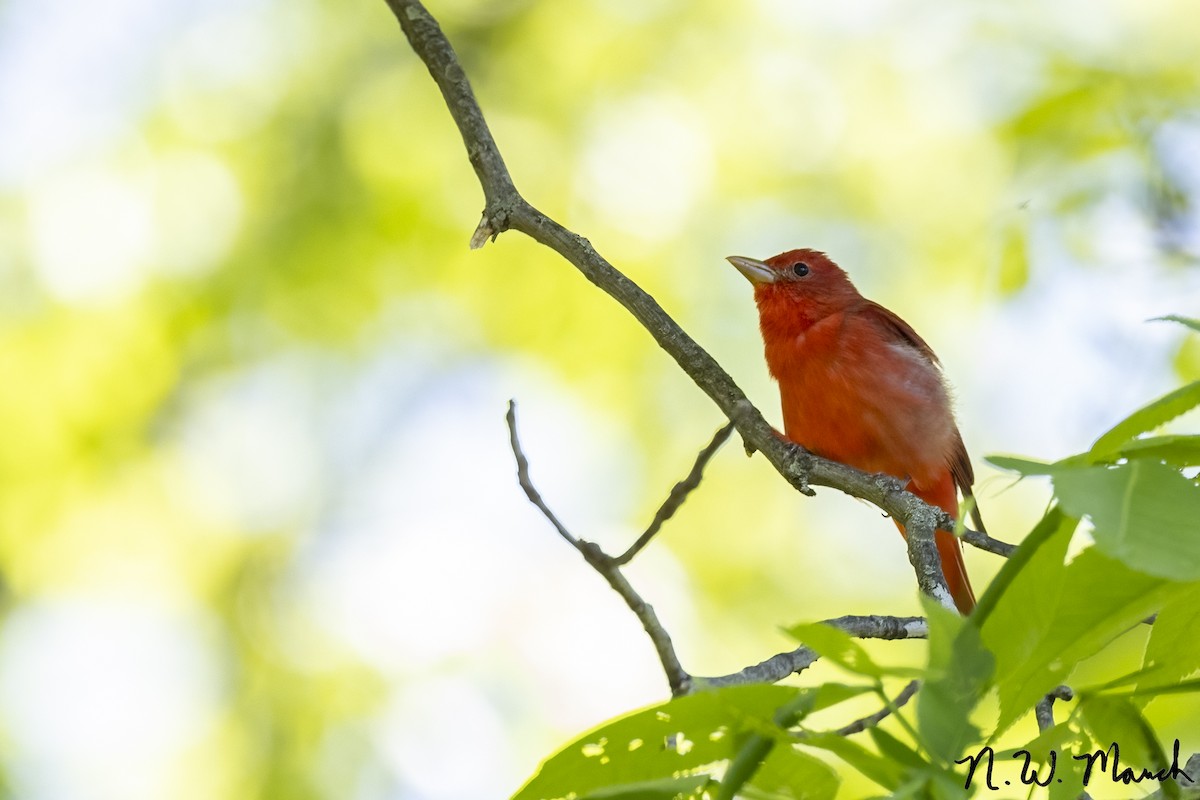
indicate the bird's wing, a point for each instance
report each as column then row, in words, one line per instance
column 959, row 461
column 898, row 328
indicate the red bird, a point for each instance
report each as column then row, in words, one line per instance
column 859, row 386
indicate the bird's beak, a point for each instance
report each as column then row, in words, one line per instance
column 755, row 271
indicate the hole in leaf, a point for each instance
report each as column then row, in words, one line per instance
column 679, row 743
column 593, row 750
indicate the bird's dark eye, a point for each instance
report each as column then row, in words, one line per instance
column 800, row 269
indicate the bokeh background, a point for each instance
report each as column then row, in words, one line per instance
column 260, row 534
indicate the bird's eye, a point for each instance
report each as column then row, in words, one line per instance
column 800, row 269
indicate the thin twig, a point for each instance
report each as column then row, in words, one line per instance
column 779, row 666
column 678, row 679
column 1044, row 710
column 985, row 542
column 526, row 483
column 505, row 208
column 860, row 725
column 679, row 493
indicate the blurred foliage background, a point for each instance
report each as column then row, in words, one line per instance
column 260, row 534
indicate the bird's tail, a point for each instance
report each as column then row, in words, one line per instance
column 950, row 550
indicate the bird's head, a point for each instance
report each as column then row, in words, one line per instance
column 802, row 283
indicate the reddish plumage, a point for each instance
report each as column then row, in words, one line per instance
column 859, row 386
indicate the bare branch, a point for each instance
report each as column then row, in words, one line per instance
column 778, row 667
column 524, row 480
column 506, row 208
column 427, row 39
column 860, row 725
column 678, row 679
column 679, row 493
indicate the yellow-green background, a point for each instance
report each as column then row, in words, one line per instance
column 260, row 534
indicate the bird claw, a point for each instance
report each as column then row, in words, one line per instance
column 797, row 456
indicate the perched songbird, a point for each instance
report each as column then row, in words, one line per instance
column 859, row 386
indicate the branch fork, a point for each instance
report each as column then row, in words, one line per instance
column 506, row 209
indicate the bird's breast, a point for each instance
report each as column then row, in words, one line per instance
column 852, row 395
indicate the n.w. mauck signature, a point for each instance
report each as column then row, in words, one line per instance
column 1105, row 762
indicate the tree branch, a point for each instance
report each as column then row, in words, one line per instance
column 778, row 667
column 679, row 494
column 505, row 208
column 985, row 542
column 428, row 41
column 678, row 679
column 523, row 478
column 860, row 725
column 681, row 682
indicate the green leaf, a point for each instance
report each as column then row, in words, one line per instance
column 1145, row 514
column 1069, row 770
column 891, row 747
column 691, row 786
column 830, row 694
column 1194, row 324
column 1039, row 634
column 946, row 786
column 1173, row 649
column 1024, row 466
column 753, row 751
column 1116, row 719
column 836, row 646
column 1183, row 687
column 1056, row 738
column 1016, row 612
column 791, row 774
column 661, row 742
column 1146, row 419
column 884, row 772
column 1121, row 680
column 1054, row 525
column 960, row 671
column 1182, row 450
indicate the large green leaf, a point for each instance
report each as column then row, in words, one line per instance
column 688, row 786
column 1173, row 650
column 1149, row 417
column 891, row 747
column 791, row 774
column 883, row 771
column 661, row 742
column 1016, row 613
column 1117, row 719
column 1039, row 634
column 1025, row 466
column 759, row 747
column 1182, row 450
column 1018, row 569
column 1145, row 514
column 1069, row 771
column 960, row 672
